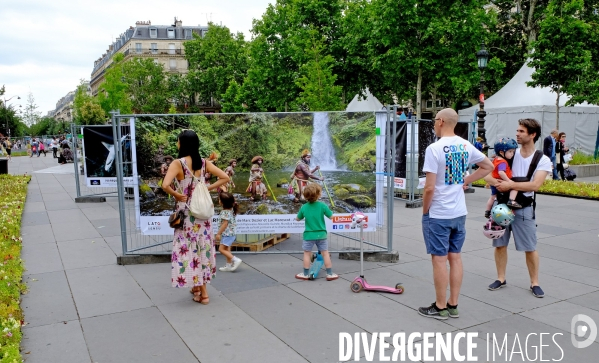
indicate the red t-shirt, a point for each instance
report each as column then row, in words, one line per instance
column 500, row 164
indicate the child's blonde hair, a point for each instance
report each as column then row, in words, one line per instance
column 312, row 192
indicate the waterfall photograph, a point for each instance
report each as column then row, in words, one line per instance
column 273, row 155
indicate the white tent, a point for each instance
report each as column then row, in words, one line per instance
column 516, row 100
column 370, row 103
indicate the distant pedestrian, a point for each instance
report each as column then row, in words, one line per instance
column 315, row 232
column 226, row 233
column 549, row 150
column 34, row 148
column 8, row 146
column 560, row 151
column 54, row 146
column 444, row 209
column 42, row 149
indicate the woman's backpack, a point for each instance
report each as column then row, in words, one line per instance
column 201, row 205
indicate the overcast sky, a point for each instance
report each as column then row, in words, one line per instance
column 46, row 47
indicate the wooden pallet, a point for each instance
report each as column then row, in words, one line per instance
column 260, row 245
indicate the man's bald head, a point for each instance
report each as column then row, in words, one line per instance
column 449, row 116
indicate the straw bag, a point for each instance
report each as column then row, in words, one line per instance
column 201, row 205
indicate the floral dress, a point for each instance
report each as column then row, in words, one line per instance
column 193, row 262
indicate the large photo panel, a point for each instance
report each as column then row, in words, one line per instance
column 99, row 153
column 272, row 157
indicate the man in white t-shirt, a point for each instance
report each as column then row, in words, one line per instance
column 444, row 209
column 524, row 227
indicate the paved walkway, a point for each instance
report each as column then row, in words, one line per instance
column 83, row 307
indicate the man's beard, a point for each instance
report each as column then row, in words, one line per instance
column 307, row 162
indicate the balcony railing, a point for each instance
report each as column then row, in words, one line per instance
column 151, row 51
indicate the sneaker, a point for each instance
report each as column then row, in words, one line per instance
column 236, row 263
column 301, row 276
column 497, row 285
column 453, row 312
column 514, row 205
column 537, row 291
column 432, row 312
column 332, row 277
column 487, row 214
column 226, row 268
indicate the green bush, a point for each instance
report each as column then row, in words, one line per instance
column 567, row 188
column 13, row 190
column 583, row 159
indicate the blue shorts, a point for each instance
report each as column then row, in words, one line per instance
column 493, row 190
column 227, row 240
column 321, row 245
column 443, row 235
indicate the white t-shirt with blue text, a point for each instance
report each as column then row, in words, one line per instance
column 449, row 158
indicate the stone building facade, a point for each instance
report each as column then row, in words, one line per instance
column 163, row 43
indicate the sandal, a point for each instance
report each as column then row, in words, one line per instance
column 204, row 300
column 513, row 204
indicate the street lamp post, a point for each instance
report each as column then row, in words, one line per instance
column 6, row 109
column 483, row 56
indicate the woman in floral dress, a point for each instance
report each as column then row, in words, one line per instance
column 193, row 262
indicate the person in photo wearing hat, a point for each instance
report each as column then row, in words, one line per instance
column 256, row 187
column 230, row 171
column 302, row 175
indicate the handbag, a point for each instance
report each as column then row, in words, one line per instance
column 201, row 206
column 177, row 218
column 567, row 158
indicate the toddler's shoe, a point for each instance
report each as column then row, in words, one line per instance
column 226, row 268
column 514, row 205
column 301, row 276
column 236, row 262
column 487, row 214
column 332, row 277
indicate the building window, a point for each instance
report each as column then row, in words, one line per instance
column 171, row 48
column 170, row 33
column 138, row 48
column 187, row 33
column 154, row 48
column 153, row 33
column 172, row 64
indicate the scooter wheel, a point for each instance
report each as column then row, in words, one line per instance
column 399, row 287
column 311, row 277
column 356, row 286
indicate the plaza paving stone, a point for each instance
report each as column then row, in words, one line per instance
column 82, row 307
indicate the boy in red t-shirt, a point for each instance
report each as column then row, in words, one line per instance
column 505, row 149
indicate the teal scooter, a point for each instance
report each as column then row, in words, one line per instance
column 317, row 262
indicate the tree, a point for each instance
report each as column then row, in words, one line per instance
column 231, row 100
column 214, row 61
column 587, row 87
column 145, row 82
column 319, row 92
column 560, row 56
column 424, row 46
column 86, row 109
column 277, row 51
column 113, row 92
column 31, row 115
column 92, row 113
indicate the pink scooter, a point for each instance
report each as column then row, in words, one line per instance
column 360, row 283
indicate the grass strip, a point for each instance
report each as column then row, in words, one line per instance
column 567, row 188
column 13, row 191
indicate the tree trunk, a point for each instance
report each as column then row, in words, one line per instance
column 557, row 109
column 419, row 95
